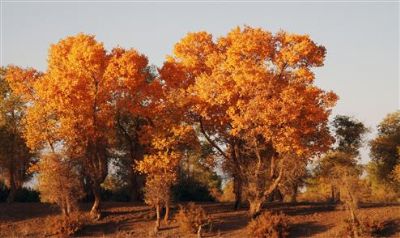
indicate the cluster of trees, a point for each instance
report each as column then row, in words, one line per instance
column 245, row 103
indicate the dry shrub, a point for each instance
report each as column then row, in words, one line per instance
column 268, row 225
column 59, row 181
column 66, row 226
column 366, row 226
column 192, row 218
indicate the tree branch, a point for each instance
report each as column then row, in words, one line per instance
column 211, row 141
column 273, row 186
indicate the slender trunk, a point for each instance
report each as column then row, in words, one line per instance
column 157, row 227
column 166, row 216
column 95, row 211
column 64, row 211
column 354, row 221
column 199, row 231
column 69, row 206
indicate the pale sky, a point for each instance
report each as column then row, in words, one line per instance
column 362, row 38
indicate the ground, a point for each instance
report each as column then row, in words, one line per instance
column 137, row 220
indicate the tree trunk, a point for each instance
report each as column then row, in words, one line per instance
column 166, row 216
column 333, row 194
column 13, row 188
column 293, row 197
column 199, row 231
column 157, row 227
column 134, row 188
column 237, row 187
column 255, row 207
column 69, row 206
column 95, row 211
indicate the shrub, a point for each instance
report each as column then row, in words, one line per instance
column 268, row 225
column 366, row 226
column 192, row 218
column 66, row 226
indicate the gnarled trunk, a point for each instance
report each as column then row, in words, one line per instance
column 255, row 207
column 95, row 211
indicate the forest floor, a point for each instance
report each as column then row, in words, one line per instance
column 137, row 220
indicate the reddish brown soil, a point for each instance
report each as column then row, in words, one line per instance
column 137, row 220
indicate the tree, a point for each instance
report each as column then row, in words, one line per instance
column 197, row 179
column 252, row 93
column 15, row 156
column 294, row 177
column 349, row 134
column 384, row 153
column 59, row 182
column 167, row 137
column 340, row 168
column 76, row 102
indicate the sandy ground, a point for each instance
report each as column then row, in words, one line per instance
column 137, row 220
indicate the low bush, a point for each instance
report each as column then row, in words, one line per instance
column 365, row 227
column 192, row 218
column 268, row 225
column 66, row 226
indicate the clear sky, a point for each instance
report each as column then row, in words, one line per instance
column 362, row 38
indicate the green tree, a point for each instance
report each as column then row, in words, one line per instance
column 340, row 168
column 384, row 154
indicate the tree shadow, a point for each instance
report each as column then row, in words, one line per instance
column 306, row 229
column 98, row 229
column 306, row 210
column 13, row 212
column 391, row 228
column 230, row 223
column 129, row 212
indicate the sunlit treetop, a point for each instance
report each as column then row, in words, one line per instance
column 253, row 83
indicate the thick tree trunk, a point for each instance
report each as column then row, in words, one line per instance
column 237, row 189
column 95, row 211
column 13, row 188
column 134, row 188
column 137, row 185
column 255, row 207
